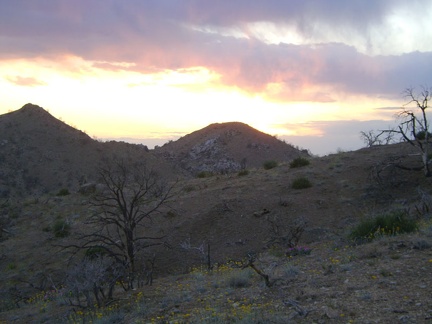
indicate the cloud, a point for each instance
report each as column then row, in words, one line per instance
column 331, row 57
column 26, row 81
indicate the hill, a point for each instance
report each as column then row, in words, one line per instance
column 40, row 154
column 233, row 216
column 225, row 148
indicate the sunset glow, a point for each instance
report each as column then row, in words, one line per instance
column 149, row 71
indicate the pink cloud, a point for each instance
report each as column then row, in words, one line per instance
column 26, row 81
column 156, row 35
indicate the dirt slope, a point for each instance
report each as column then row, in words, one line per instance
column 233, row 215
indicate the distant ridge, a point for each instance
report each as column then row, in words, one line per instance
column 227, row 147
column 39, row 153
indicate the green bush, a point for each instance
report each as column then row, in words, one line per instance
column 95, row 252
column 61, row 228
column 46, row 229
column 243, row 173
column 270, row 164
column 204, row 174
column 11, row 266
column 393, row 223
column 301, row 183
column 63, row 192
column 189, row 188
column 170, row 214
column 422, row 135
column 299, row 162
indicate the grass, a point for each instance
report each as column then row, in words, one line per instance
column 189, row 188
column 243, row 172
column 267, row 165
column 220, row 297
column 205, row 174
column 299, row 162
column 61, row 228
column 228, row 294
column 301, row 183
column 11, row 266
column 63, row 192
column 392, row 223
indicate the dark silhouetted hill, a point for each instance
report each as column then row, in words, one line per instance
column 39, row 153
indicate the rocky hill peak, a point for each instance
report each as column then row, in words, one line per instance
column 227, row 147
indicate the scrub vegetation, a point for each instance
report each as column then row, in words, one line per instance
column 342, row 238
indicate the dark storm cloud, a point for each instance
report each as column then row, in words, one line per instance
column 163, row 34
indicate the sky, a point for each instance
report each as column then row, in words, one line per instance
column 311, row 72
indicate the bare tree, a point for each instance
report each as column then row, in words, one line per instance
column 372, row 138
column 286, row 235
column 413, row 128
column 124, row 211
column 205, row 255
column 249, row 262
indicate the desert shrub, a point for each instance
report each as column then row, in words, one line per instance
column 189, row 188
column 61, row 228
column 276, row 251
column 63, row 192
column 422, row 135
column 285, row 235
column 299, row 162
column 46, row 229
column 243, row 172
column 240, row 279
column 298, row 250
column 170, row 214
column 301, row 183
column 290, row 271
column 11, row 266
column 270, row 164
column 204, row 174
column 392, row 223
column 95, row 252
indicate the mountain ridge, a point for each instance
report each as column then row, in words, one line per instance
column 40, row 153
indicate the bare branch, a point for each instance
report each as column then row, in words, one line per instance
column 413, row 128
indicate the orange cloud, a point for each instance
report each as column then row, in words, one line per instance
column 26, row 81
column 154, row 36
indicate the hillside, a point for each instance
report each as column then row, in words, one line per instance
column 41, row 154
column 340, row 281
